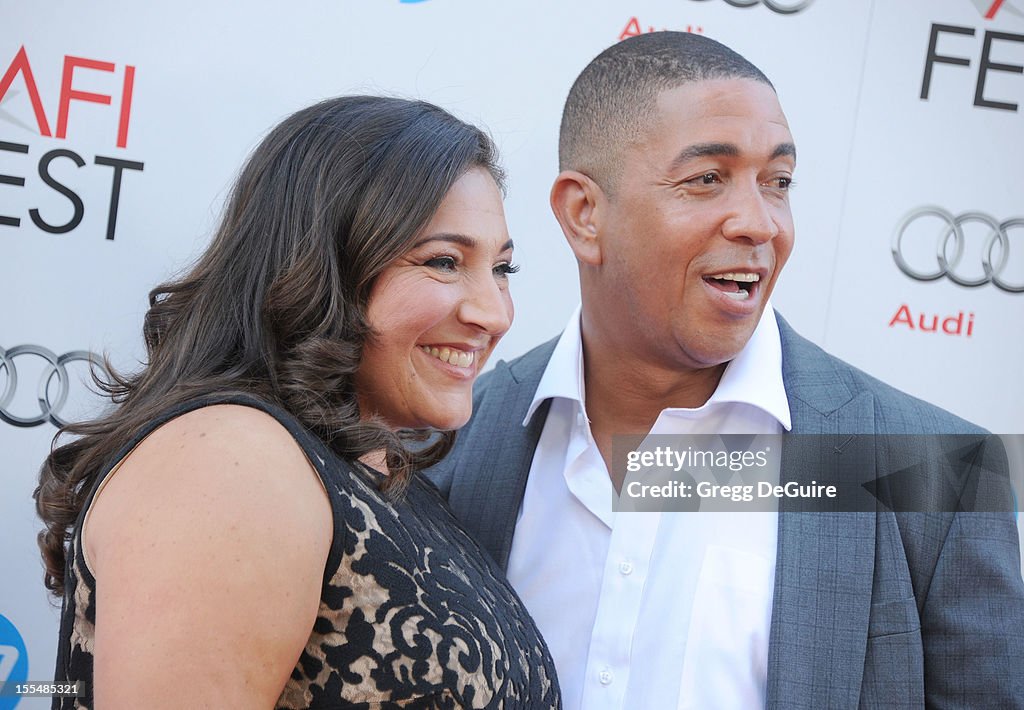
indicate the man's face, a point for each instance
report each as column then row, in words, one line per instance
column 697, row 227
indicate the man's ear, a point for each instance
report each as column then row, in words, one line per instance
column 578, row 203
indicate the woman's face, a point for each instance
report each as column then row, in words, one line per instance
column 438, row 311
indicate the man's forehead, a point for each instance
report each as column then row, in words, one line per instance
column 720, row 98
column 698, row 116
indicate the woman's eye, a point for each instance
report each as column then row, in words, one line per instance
column 505, row 268
column 442, row 263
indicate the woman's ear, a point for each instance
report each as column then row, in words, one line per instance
column 579, row 203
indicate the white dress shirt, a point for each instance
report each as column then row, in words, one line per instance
column 649, row 610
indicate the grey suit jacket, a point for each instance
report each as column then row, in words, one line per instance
column 871, row 609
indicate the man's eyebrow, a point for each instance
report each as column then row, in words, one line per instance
column 705, row 150
column 460, row 239
column 783, row 149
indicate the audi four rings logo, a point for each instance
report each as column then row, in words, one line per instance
column 783, row 7
column 50, row 407
column 995, row 250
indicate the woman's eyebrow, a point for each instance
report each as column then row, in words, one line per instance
column 460, row 239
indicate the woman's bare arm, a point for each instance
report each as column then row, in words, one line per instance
column 208, row 546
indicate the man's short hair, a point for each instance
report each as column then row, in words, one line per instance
column 615, row 96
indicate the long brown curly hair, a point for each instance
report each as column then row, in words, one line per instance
column 276, row 306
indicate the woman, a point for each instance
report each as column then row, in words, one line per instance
column 266, row 538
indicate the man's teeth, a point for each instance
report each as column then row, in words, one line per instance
column 737, row 276
column 458, row 358
column 740, row 295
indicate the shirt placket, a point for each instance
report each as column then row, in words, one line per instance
column 622, row 586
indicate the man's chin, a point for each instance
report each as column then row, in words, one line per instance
column 718, row 347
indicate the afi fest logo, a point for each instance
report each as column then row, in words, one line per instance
column 990, row 9
column 18, row 87
column 1008, row 47
column 782, row 7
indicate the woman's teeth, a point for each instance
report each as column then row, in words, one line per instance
column 458, row 358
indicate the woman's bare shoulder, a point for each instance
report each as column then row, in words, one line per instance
column 225, row 460
column 208, row 546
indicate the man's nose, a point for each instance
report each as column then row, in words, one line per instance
column 752, row 216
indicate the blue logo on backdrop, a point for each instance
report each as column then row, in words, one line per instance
column 13, row 659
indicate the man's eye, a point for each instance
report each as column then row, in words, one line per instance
column 442, row 263
column 705, row 179
column 783, row 183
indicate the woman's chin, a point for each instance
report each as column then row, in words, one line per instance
column 453, row 417
column 456, row 421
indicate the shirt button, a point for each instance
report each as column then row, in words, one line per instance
column 606, row 677
column 625, row 568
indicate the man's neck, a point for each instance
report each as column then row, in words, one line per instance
column 626, row 397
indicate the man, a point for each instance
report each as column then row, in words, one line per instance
column 676, row 161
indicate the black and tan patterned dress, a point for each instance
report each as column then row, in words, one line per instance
column 413, row 614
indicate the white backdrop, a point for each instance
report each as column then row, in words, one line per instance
column 207, row 81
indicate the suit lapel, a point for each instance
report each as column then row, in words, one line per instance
column 825, row 560
column 496, row 455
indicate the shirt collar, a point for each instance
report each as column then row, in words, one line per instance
column 563, row 376
column 753, row 377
